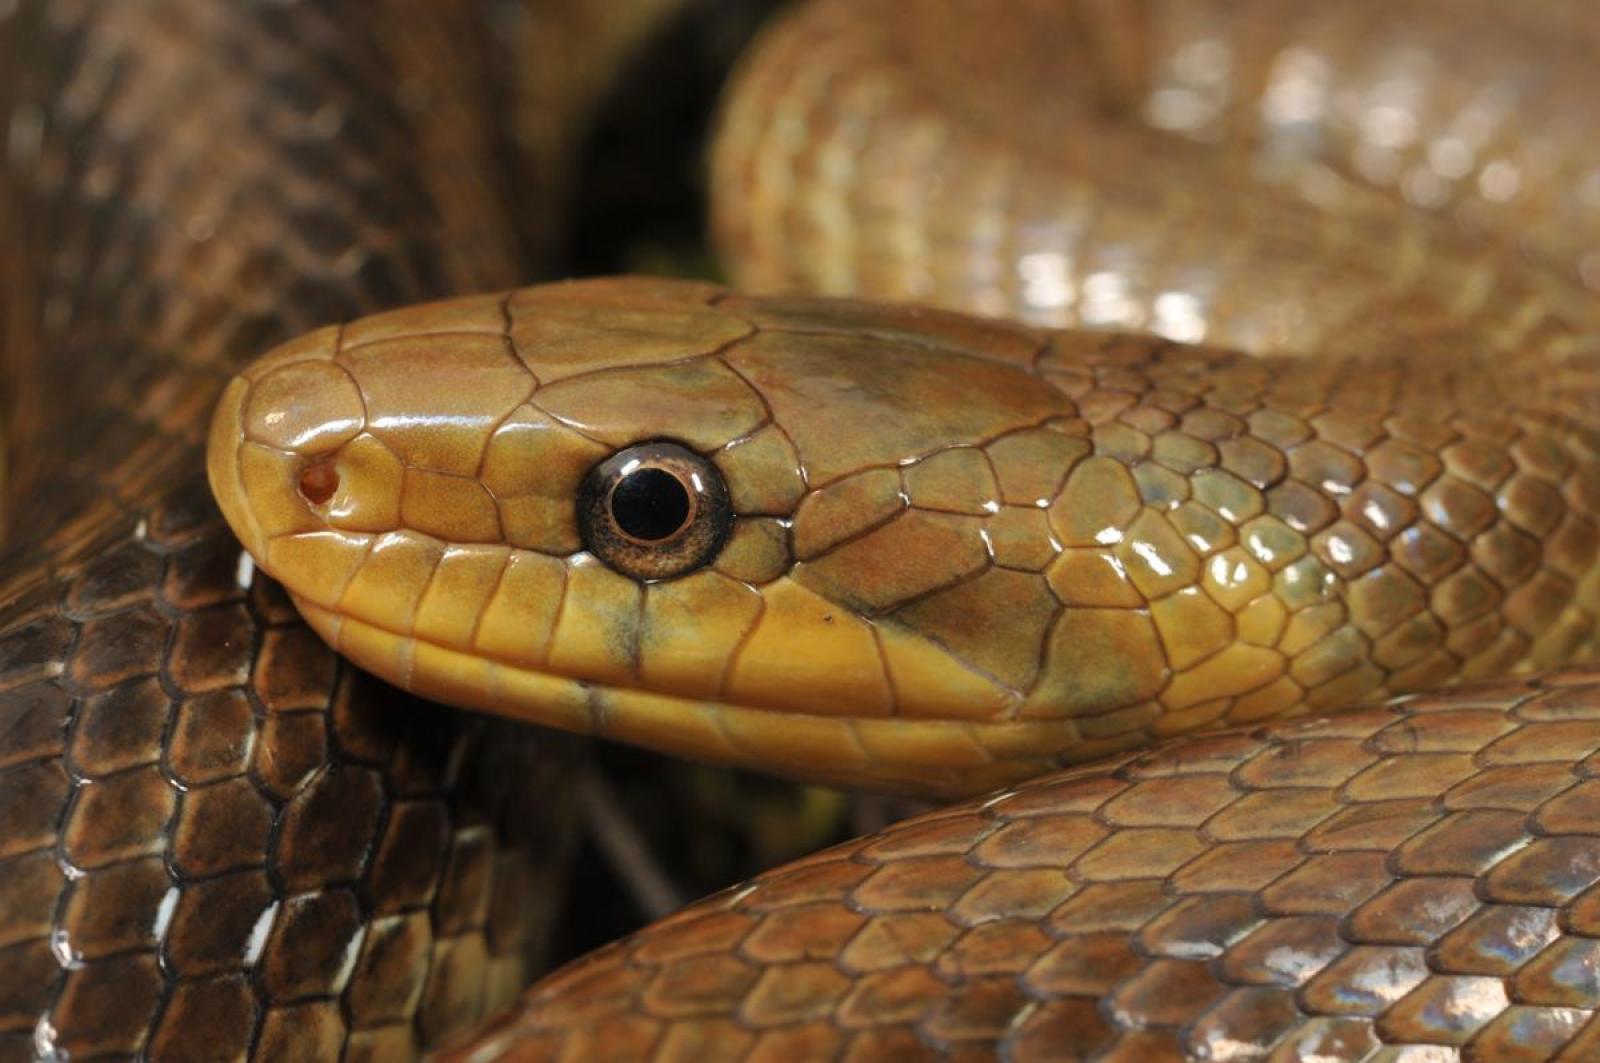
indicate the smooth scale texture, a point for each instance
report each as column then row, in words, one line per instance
column 1158, row 537
column 963, row 551
column 1412, row 882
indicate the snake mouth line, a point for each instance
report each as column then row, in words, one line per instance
column 851, row 751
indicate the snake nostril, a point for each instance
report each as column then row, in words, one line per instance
column 319, row 481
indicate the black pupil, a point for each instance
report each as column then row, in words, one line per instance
column 650, row 504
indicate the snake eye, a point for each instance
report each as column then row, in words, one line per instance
column 654, row 511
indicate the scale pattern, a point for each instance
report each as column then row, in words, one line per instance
column 959, row 544
column 1418, row 874
column 216, row 839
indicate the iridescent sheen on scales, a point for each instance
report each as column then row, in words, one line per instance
column 955, row 542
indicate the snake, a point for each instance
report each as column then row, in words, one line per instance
column 1296, row 409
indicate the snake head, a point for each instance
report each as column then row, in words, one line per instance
column 861, row 544
column 644, row 509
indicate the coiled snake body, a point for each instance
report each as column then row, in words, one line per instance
column 861, row 543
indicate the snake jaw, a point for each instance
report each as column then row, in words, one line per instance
column 868, row 753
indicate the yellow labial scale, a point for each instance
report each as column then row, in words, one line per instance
column 457, row 598
column 320, row 565
column 1032, row 464
column 1274, row 699
column 1237, row 669
column 664, row 722
column 1233, row 578
column 958, row 480
column 809, row 655
column 521, row 613
column 930, row 683
column 843, row 508
column 1028, row 743
column 371, row 480
column 453, row 508
column 597, row 634
column 1261, row 623
column 691, row 628
column 1097, row 503
column 1084, row 576
column 325, row 623
column 562, row 333
column 318, row 345
column 448, row 675
column 798, row 742
column 552, row 700
column 472, row 313
column 757, row 551
column 762, row 473
column 270, row 479
column 435, row 403
column 310, row 407
column 389, row 585
column 1192, row 626
column 702, row 404
column 376, row 650
column 925, row 744
column 1156, row 558
column 1023, row 739
column 1097, row 661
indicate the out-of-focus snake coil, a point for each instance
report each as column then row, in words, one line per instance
column 215, row 838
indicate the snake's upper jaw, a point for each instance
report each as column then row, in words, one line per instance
column 274, row 429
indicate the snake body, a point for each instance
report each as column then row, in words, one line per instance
column 216, row 840
column 946, row 554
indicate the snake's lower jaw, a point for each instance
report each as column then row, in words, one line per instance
column 935, row 758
